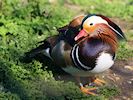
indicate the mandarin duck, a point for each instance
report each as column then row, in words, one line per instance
column 84, row 48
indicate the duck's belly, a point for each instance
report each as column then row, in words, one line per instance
column 103, row 62
column 76, row 72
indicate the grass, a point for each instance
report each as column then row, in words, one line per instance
column 113, row 8
column 23, row 23
column 109, row 92
column 124, row 52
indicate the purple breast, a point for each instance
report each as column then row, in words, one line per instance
column 89, row 51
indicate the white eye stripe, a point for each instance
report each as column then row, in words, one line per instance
column 95, row 20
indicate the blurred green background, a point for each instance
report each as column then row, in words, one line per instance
column 23, row 23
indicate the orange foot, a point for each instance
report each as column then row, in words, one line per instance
column 99, row 82
column 88, row 90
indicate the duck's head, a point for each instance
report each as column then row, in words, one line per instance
column 91, row 23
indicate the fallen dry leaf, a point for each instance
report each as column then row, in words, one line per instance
column 129, row 67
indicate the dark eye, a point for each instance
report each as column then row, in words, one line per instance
column 91, row 24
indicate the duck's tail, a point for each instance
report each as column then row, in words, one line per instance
column 40, row 52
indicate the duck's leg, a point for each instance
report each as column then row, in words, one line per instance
column 89, row 91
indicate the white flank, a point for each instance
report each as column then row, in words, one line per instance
column 104, row 62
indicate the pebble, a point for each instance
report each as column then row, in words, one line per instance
column 130, row 82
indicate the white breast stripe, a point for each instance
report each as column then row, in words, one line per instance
column 81, row 64
column 73, row 55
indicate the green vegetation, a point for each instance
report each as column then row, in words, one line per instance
column 114, row 8
column 23, row 23
column 109, row 91
column 125, row 51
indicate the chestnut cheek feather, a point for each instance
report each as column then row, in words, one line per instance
column 81, row 34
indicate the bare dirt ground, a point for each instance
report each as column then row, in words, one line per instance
column 121, row 74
